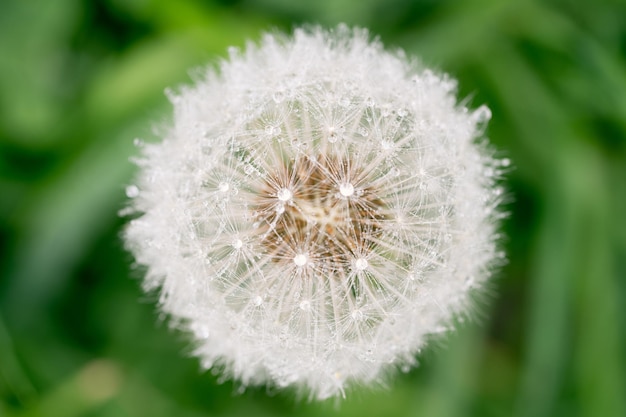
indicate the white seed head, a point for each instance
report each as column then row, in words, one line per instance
column 361, row 188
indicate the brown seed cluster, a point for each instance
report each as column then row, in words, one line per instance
column 313, row 206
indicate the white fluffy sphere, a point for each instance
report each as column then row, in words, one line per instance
column 318, row 208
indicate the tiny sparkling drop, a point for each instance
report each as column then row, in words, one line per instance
column 299, row 259
column 361, row 264
column 284, row 194
column 132, row 191
column 346, row 189
column 482, row 114
column 223, row 187
column 278, row 97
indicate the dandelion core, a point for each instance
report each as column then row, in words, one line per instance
column 329, row 220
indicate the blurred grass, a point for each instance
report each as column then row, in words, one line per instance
column 80, row 79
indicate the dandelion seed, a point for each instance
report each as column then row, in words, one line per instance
column 362, row 190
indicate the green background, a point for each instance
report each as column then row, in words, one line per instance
column 80, row 79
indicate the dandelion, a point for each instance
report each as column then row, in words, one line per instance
column 318, row 209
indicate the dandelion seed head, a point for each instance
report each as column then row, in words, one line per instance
column 364, row 194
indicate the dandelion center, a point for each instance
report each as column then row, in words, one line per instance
column 318, row 219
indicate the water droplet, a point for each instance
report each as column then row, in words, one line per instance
column 223, row 186
column 363, row 131
column 370, row 102
column 386, row 145
column 361, row 264
column 248, row 169
column 284, row 194
column 258, row 300
column 505, row 162
column 138, row 142
column 201, row 332
column 299, row 259
column 278, row 96
column 357, row 315
column 272, row 130
column 305, row 305
column 402, row 112
column 394, row 172
column 332, row 135
column 237, row 244
column 280, row 209
column 346, row 189
column 482, row 114
column 132, row 191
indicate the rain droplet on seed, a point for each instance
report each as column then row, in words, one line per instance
column 332, row 135
column 278, row 96
column 223, row 186
column 284, row 194
column 132, row 191
column 346, row 189
column 361, row 264
column 482, row 114
column 299, row 259
column 357, row 315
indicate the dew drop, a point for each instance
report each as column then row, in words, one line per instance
column 278, row 97
column 357, row 315
column 280, row 209
column 482, row 114
column 237, row 244
column 284, row 194
column 361, row 264
column 132, row 191
column 305, row 305
column 223, row 186
column 346, row 189
column 363, row 131
column 332, row 135
column 272, row 130
column 505, row 162
column 299, row 259
column 258, row 300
